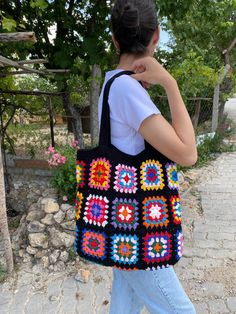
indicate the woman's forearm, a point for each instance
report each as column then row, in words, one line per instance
column 181, row 121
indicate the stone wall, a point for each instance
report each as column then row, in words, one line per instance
column 25, row 183
column 46, row 234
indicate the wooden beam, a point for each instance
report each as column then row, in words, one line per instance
column 34, row 61
column 190, row 98
column 16, row 37
column 45, row 72
column 31, row 93
column 57, row 70
column 10, row 63
column 4, row 74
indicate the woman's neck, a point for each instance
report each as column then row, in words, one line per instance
column 126, row 61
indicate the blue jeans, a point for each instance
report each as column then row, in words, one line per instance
column 160, row 291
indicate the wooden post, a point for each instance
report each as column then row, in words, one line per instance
column 215, row 112
column 94, row 96
column 196, row 115
column 51, row 121
column 3, row 219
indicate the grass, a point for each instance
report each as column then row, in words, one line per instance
column 72, row 254
column 2, row 273
column 14, row 222
column 23, row 129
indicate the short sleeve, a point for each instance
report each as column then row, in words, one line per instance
column 132, row 103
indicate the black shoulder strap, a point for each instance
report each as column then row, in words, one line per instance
column 105, row 127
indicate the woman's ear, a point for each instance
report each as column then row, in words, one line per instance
column 156, row 36
column 115, row 42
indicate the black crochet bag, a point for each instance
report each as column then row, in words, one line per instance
column 128, row 212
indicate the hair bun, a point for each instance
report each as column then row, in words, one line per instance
column 133, row 24
column 130, row 17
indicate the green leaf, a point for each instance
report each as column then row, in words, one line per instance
column 41, row 4
column 8, row 24
column 22, row 25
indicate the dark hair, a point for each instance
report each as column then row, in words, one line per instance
column 133, row 24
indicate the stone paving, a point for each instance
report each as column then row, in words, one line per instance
column 209, row 275
column 207, row 269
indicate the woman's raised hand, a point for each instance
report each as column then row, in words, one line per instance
column 149, row 71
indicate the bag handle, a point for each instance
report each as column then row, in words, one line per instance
column 105, row 125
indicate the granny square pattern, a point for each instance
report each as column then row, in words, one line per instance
column 96, row 210
column 176, row 209
column 152, row 175
column 125, row 179
column 124, row 249
column 80, row 173
column 172, row 176
column 155, row 212
column 94, row 244
column 157, row 247
column 100, row 170
column 78, row 204
column 179, row 237
column 125, row 214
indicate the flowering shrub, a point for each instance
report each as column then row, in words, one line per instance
column 62, row 161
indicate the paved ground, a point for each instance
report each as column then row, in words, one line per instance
column 207, row 270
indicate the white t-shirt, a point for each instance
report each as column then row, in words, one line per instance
column 129, row 104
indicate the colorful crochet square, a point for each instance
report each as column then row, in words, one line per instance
column 157, row 247
column 80, row 173
column 96, row 210
column 124, row 249
column 100, row 173
column 152, row 177
column 125, row 179
column 94, row 244
column 155, row 212
column 125, row 214
column 78, row 204
column 176, row 209
column 179, row 237
column 172, row 176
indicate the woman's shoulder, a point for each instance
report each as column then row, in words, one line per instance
column 125, row 84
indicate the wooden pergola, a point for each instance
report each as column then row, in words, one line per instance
column 5, row 62
column 23, row 68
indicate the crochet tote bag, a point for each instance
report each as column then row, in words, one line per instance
column 128, row 212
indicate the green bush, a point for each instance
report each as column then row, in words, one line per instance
column 64, row 173
column 211, row 148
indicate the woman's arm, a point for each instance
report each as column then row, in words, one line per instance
column 176, row 141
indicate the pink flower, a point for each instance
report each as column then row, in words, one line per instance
column 51, row 150
column 74, row 143
column 63, row 160
column 65, row 199
column 56, row 158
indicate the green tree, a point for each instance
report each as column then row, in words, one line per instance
column 82, row 31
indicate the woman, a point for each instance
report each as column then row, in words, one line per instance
column 134, row 117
